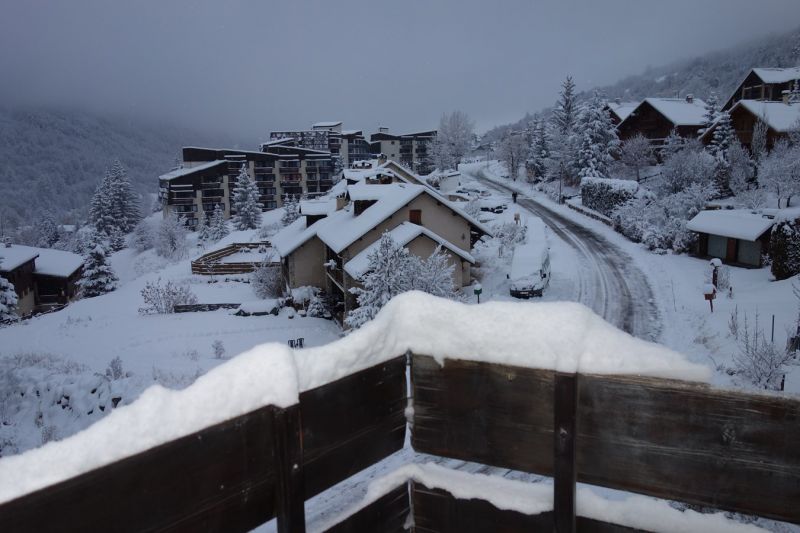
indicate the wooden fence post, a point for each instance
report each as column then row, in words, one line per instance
column 564, row 469
column 290, row 492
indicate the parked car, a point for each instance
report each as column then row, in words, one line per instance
column 530, row 266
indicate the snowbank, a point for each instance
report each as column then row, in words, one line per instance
column 635, row 511
column 263, row 376
column 563, row 336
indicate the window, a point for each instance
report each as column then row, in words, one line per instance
column 415, row 216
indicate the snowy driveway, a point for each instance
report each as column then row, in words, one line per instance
column 609, row 281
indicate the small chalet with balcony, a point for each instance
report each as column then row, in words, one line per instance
column 656, row 118
column 780, row 117
column 764, row 84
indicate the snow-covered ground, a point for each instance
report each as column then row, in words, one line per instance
column 686, row 323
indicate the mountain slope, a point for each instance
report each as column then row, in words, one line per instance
column 53, row 160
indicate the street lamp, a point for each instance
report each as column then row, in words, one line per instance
column 477, row 289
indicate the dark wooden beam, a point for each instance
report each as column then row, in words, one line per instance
column 289, row 492
column 564, row 432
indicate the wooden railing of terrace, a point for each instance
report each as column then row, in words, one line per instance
column 670, row 439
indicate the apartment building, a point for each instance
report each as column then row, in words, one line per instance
column 412, row 150
column 346, row 146
column 208, row 178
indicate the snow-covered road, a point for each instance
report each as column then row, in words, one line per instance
column 609, row 281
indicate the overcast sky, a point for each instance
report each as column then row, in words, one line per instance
column 245, row 68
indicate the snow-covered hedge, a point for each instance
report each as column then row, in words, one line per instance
column 604, row 195
column 785, row 249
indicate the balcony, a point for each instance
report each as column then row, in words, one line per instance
column 181, row 201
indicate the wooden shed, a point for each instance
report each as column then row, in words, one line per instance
column 738, row 237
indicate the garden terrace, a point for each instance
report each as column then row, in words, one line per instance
column 571, row 398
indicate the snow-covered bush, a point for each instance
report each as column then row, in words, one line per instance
column 266, row 280
column 785, row 249
column 316, row 308
column 760, row 362
column 8, row 300
column 171, row 237
column 508, row 236
column 162, row 299
column 473, row 207
column 291, row 210
column 604, row 195
column 142, row 237
column 685, row 166
column 98, row 277
column 114, row 370
column 219, row 349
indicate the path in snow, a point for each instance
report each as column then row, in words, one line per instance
column 610, row 282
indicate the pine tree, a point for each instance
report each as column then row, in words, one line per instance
column 711, row 112
column 794, row 94
column 391, row 272
column 565, row 113
column 722, row 140
column 291, row 210
column 598, row 140
column 8, row 300
column 218, row 227
column 245, row 201
column 203, row 230
column 540, row 152
column 98, row 277
column 116, row 241
column 672, row 144
column 46, row 229
column 114, row 204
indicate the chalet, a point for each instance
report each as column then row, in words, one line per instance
column 412, row 150
column 619, row 110
column 381, row 171
column 42, row 277
column 328, row 250
column 208, row 177
column 764, row 84
column 737, row 237
column 780, row 117
column 656, row 118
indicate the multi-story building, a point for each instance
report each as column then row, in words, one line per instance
column 208, row 177
column 348, row 146
column 765, row 84
column 411, row 149
column 656, row 118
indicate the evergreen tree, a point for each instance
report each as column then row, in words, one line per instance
column 566, row 111
column 218, row 227
column 391, row 272
column 8, row 300
column 98, row 277
column 598, row 140
column 203, row 229
column 291, row 209
column 245, row 202
column 46, row 230
column 794, row 94
column 114, row 204
column 711, row 112
column 672, row 144
column 722, row 140
column 540, row 151
column 116, row 241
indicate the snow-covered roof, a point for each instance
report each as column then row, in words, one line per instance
column 402, row 235
column 622, row 109
column 679, row 111
column 282, row 140
column 361, row 174
column 179, row 172
column 326, row 124
column 777, row 75
column 733, row 223
column 351, row 132
column 16, row 256
column 317, row 207
column 778, row 116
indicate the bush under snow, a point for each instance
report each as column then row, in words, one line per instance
column 605, row 195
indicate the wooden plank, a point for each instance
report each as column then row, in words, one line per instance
column 388, row 514
column 668, row 439
column 436, row 511
column 688, row 442
column 290, row 498
column 220, row 478
column 565, row 475
column 352, row 423
column 491, row 414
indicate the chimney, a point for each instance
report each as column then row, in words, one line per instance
column 341, row 201
column 382, row 129
column 785, row 96
column 689, row 98
column 618, row 100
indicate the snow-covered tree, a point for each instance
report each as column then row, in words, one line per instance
column 724, row 137
column 116, row 241
column 171, row 237
column 114, row 204
column 673, row 143
column 291, row 209
column 540, row 150
column 435, row 275
column 741, row 168
column 794, row 93
column 598, row 140
column 758, row 144
column 142, row 237
column 245, row 202
column 8, row 300
column 565, row 115
column 779, row 171
column 218, row 228
column 636, row 153
column 453, row 140
column 711, row 111
column 513, row 151
column 391, row 272
column 266, row 279
column 690, row 164
column 203, row 229
column 162, row 299
column 98, row 277
column 46, row 230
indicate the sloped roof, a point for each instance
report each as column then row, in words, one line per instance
column 778, row 116
column 16, row 256
column 327, row 124
column 777, row 75
column 622, row 109
column 733, row 223
column 679, row 111
column 180, row 172
column 402, row 235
